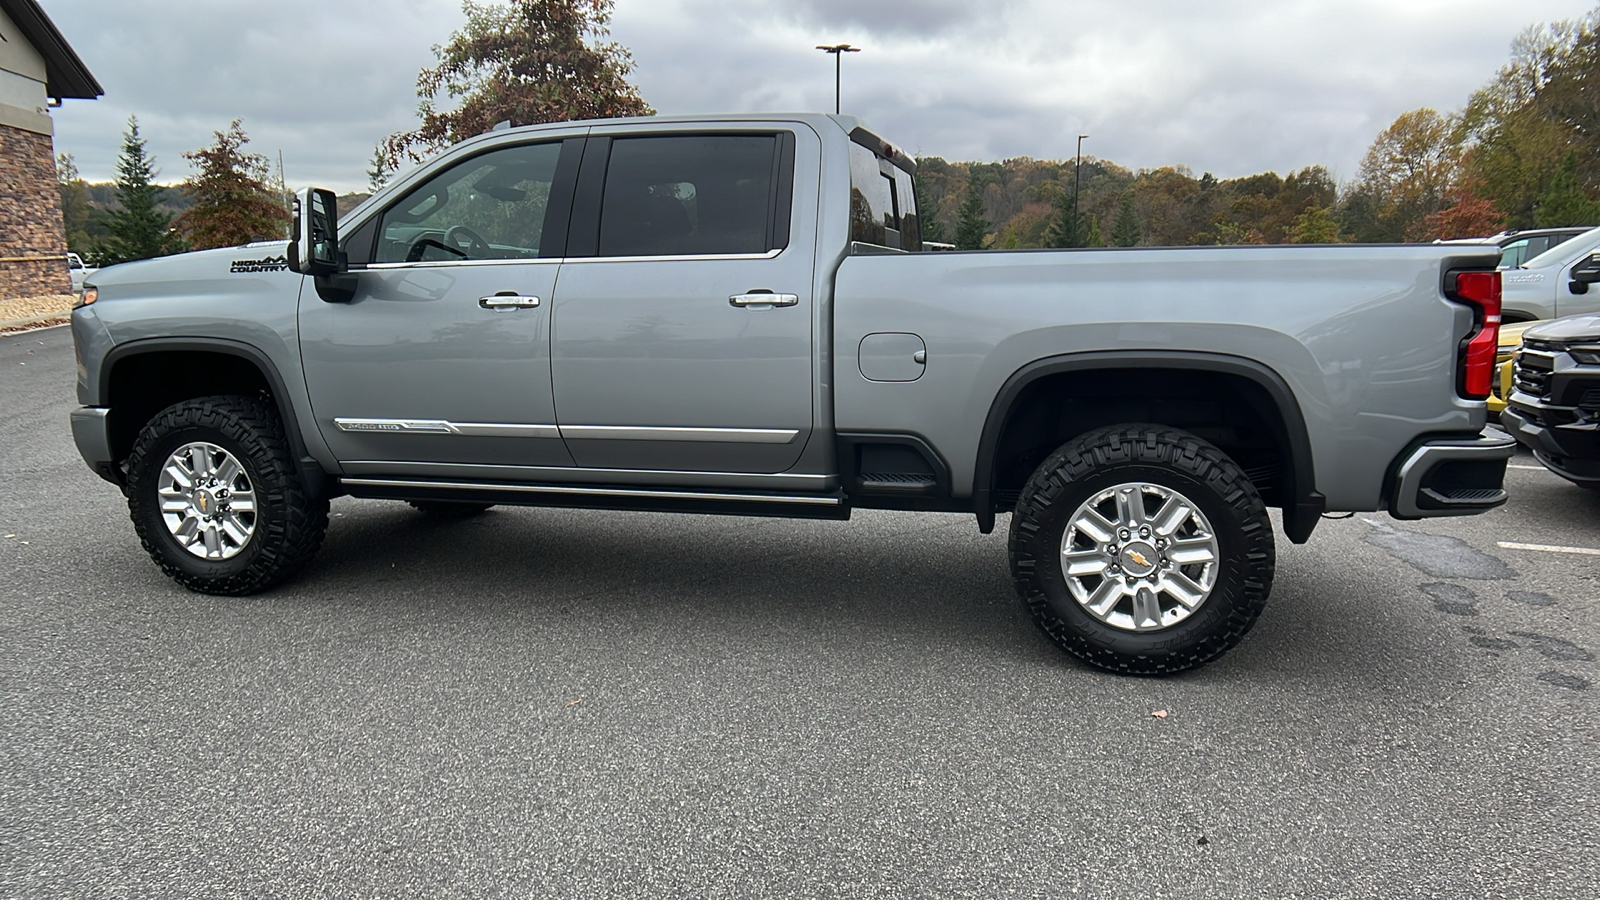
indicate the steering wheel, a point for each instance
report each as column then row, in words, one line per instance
column 475, row 246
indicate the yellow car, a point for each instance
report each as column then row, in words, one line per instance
column 1510, row 342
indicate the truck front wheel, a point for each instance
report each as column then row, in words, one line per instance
column 216, row 499
column 1142, row 549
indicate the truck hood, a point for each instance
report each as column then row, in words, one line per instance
column 258, row 260
column 1563, row 331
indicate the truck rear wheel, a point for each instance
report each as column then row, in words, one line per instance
column 1142, row 549
column 216, row 499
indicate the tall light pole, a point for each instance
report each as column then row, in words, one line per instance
column 1077, row 167
column 838, row 51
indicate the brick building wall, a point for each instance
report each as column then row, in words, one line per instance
column 33, row 245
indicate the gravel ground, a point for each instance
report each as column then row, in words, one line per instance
column 26, row 307
column 35, row 306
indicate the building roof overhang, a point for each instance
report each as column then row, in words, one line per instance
column 68, row 77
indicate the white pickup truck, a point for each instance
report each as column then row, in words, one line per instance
column 1543, row 286
column 80, row 272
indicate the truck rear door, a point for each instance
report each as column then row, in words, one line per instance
column 682, row 324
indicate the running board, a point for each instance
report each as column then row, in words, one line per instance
column 579, row 496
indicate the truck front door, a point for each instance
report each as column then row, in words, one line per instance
column 682, row 334
column 439, row 363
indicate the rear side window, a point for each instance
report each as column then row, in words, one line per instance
column 905, row 195
column 883, row 202
column 684, row 195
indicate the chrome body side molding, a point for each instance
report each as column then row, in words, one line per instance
column 440, row 426
column 574, row 432
column 651, row 433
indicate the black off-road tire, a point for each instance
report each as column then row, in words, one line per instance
column 1171, row 459
column 289, row 523
column 449, row 509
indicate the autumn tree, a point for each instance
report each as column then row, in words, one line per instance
column 526, row 62
column 1466, row 216
column 1406, row 172
column 1315, row 225
column 971, row 226
column 232, row 202
column 138, row 230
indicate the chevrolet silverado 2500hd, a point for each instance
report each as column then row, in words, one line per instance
column 731, row 315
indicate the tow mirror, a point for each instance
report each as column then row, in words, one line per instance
column 315, row 248
column 1587, row 271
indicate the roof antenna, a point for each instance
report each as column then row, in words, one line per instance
column 501, row 126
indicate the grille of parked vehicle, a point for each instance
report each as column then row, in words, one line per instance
column 1533, row 369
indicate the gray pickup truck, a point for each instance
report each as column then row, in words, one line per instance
column 732, row 315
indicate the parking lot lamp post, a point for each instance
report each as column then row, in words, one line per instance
column 1077, row 167
column 838, row 51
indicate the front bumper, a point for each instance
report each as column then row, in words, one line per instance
column 91, row 431
column 1554, row 410
column 1452, row 477
column 1570, row 450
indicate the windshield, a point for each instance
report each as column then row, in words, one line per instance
column 1566, row 251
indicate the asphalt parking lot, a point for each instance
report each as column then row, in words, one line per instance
column 543, row 703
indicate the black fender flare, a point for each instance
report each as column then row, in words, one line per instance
column 1304, row 505
column 311, row 471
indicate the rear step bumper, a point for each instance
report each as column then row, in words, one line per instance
column 733, row 503
column 1452, row 477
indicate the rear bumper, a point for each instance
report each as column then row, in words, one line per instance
column 92, row 433
column 1452, row 477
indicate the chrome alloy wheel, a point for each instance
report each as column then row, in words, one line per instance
column 207, row 501
column 1135, row 569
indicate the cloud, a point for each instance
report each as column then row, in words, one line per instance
column 1227, row 86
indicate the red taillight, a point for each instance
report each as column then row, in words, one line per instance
column 1482, row 290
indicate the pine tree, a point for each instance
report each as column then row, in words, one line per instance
column 1066, row 228
column 1125, row 231
column 971, row 226
column 1093, row 238
column 928, row 214
column 378, row 175
column 233, row 203
column 74, row 203
column 138, row 230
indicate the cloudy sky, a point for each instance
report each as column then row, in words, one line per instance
column 1232, row 87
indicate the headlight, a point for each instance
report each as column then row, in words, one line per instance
column 88, row 296
column 1589, row 356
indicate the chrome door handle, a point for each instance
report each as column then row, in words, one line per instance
column 763, row 299
column 508, row 301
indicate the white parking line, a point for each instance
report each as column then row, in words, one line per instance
column 1548, row 548
column 1536, row 468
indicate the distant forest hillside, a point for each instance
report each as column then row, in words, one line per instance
column 1158, row 207
column 86, row 228
column 85, row 231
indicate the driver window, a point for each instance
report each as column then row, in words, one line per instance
column 488, row 207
